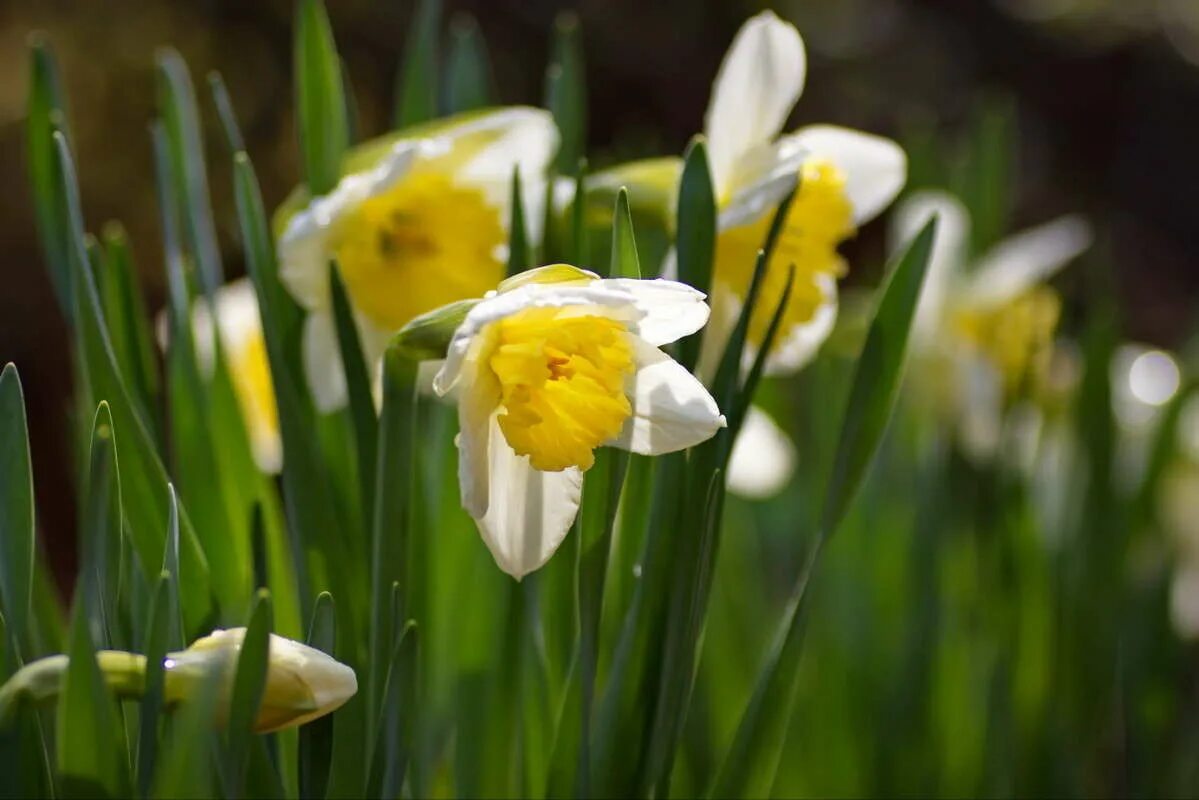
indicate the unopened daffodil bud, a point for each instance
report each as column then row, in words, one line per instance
column 302, row 683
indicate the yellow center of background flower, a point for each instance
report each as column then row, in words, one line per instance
column 562, row 381
column 1016, row 337
column 820, row 218
column 250, row 372
column 424, row 243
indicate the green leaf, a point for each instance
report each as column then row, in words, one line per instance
column 358, row 387
column 186, row 766
column 416, row 89
column 45, row 115
column 750, row 765
column 578, row 218
column 695, row 240
column 877, row 377
column 101, row 532
column 392, row 525
column 249, row 683
column 394, row 734
column 16, row 512
column 519, row 258
column 91, row 759
column 625, row 262
column 176, row 630
column 225, row 113
column 144, row 486
column 320, row 98
column 180, row 117
column 316, row 738
column 566, row 91
column 162, row 617
column 468, row 73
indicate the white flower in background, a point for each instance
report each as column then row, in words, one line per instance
column 552, row 365
column 240, row 327
column 984, row 332
column 763, row 457
column 845, row 179
column 419, row 220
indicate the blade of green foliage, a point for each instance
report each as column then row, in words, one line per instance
column 695, row 240
column 320, row 98
column 177, row 107
column 416, row 89
column 468, row 70
column 185, row 768
column 393, row 737
column 101, row 532
column 176, row 629
column 519, row 258
column 129, row 326
column 749, row 767
column 249, row 683
column 985, row 170
column 144, row 488
column 625, row 262
column 358, row 387
column 316, row 738
column 46, row 114
column 394, row 491
column 16, row 510
column 91, row 756
column 155, row 645
column 225, row 112
column 566, row 91
column 193, row 430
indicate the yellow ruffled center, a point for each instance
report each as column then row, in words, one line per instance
column 426, row 242
column 820, row 218
column 562, row 384
column 1016, row 337
column 250, row 372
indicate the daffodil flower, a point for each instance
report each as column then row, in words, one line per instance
column 985, row 332
column 547, row 368
column 302, row 683
column 420, row 220
column 239, row 326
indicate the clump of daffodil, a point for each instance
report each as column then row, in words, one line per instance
column 553, row 364
column 419, row 220
column 845, row 178
column 302, row 683
column 239, row 325
column 984, row 332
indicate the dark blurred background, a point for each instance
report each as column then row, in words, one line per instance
column 1106, row 94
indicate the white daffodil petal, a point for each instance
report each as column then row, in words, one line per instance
column 763, row 457
column 1020, row 262
column 322, row 362
column 980, row 408
column 875, row 168
column 529, row 511
column 527, row 140
column 948, row 254
column 304, row 250
column 237, row 315
column 763, row 178
column 476, row 407
column 760, row 79
column 671, row 409
column 670, row 310
column 799, row 345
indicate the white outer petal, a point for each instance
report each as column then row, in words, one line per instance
column 1021, row 261
column 304, row 250
column 759, row 81
column 237, row 315
column 763, row 457
column 528, row 141
column 669, row 310
column 875, row 167
column 948, row 255
column 671, row 409
column 799, row 345
column 763, row 178
column 529, row 511
column 322, row 358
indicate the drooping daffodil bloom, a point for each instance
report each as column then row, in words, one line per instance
column 984, row 332
column 553, row 364
column 302, row 683
column 420, row 219
column 239, row 325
